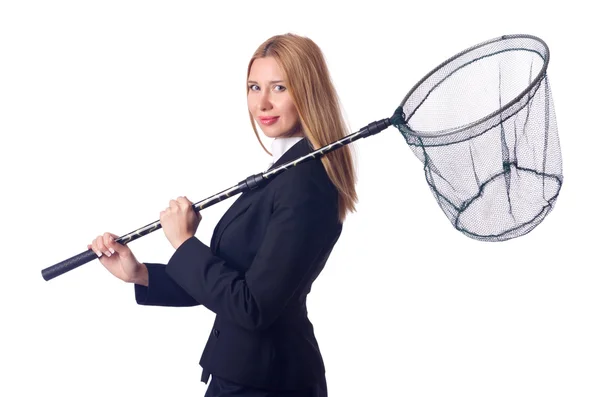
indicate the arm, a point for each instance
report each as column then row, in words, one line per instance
column 302, row 231
column 156, row 288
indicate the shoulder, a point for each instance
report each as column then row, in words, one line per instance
column 309, row 176
column 306, row 186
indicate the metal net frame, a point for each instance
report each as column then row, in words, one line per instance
column 484, row 127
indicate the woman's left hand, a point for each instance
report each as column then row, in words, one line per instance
column 179, row 221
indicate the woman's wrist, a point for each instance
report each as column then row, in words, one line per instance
column 141, row 276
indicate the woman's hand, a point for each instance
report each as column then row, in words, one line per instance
column 117, row 258
column 179, row 221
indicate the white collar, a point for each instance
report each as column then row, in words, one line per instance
column 280, row 145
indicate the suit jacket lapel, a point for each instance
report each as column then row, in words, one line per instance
column 243, row 202
column 239, row 206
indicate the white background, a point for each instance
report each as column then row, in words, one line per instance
column 110, row 109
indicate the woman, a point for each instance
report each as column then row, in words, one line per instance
column 270, row 245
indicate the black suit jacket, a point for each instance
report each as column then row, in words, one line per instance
column 264, row 255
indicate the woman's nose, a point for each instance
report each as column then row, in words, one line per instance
column 265, row 102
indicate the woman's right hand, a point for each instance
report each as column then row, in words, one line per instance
column 117, row 258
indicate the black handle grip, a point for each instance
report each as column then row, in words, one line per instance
column 68, row 264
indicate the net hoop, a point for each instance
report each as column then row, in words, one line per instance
column 537, row 46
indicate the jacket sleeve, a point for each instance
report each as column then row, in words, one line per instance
column 161, row 289
column 302, row 230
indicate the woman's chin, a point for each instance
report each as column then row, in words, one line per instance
column 270, row 134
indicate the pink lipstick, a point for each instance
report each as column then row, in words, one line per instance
column 268, row 120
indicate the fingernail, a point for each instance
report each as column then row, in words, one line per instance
column 99, row 254
column 107, row 254
column 112, row 251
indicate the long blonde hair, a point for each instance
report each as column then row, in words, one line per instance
column 317, row 103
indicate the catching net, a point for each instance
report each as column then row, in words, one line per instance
column 483, row 125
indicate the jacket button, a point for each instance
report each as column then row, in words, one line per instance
column 216, row 333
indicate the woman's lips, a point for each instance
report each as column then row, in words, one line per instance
column 268, row 120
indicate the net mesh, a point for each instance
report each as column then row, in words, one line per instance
column 483, row 124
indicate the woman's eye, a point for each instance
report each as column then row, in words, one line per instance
column 253, row 87
column 279, row 88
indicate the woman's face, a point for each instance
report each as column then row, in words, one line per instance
column 269, row 101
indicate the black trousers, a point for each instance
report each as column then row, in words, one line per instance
column 219, row 387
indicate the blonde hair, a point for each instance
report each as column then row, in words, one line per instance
column 317, row 103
